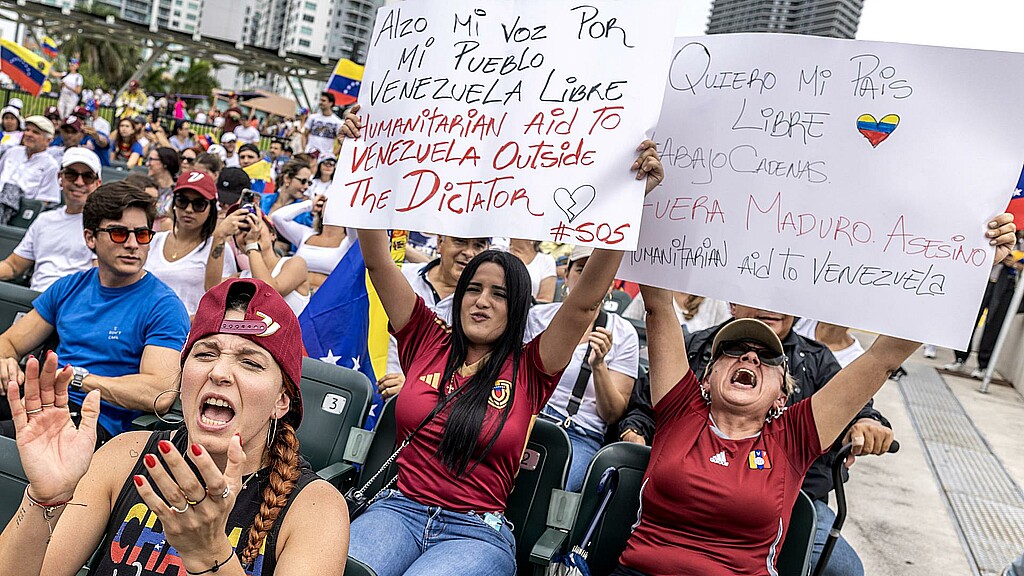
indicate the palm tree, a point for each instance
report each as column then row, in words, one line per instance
column 197, row 79
column 111, row 61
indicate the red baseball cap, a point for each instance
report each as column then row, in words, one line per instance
column 73, row 122
column 199, row 182
column 269, row 322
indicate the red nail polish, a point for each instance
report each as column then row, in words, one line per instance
column 165, row 446
column 138, row 481
column 196, row 450
column 150, row 461
column 31, row 357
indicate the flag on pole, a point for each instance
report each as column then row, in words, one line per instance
column 49, row 47
column 25, row 68
column 345, row 81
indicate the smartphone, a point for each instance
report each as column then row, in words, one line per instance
column 248, row 200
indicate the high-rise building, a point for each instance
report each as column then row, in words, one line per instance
column 832, row 18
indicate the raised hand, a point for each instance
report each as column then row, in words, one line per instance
column 648, row 165
column 54, row 453
column 353, row 126
column 1001, row 234
column 194, row 518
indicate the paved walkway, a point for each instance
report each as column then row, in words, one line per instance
column 950, row 502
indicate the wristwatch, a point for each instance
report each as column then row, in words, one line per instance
column 80, row 374
column 252, row 246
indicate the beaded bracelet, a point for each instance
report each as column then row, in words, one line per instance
column 215, row 567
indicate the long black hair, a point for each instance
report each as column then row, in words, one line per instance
column 460, row 444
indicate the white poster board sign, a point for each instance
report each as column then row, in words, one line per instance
column 518, row 118
column 843, row 181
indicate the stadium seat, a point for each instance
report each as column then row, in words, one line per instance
column 14, row 301
column 28, row 210
column 10, row 237
column 545, row 467
column 610, row 538
column 335, row 401
column 170, row 421
column 383, row 445
column 795, row 556
column 12, row 480
column 114, row 174
column 617, row 302
column 354, row 567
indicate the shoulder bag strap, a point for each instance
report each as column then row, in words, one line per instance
column 576, row 399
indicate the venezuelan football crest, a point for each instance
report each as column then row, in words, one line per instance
column 500, row 394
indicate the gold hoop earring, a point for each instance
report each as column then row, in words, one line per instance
column 157, row 412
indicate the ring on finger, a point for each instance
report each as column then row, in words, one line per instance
column 191, row 502
column 50, row 405
column 181, row 511
column 226, row 492
column 36, row 411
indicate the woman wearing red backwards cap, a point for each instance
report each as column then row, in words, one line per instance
column 226, row 493
column 728, row 459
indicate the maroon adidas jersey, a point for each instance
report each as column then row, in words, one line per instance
column 423, row 348
column 715, row 506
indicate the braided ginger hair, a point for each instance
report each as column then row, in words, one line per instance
column 284, row 471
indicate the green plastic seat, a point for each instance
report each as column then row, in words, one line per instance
column 15, row 301
column 545, row 467
column 28, row 211
column 12, row 480
column 383, row 445
column 617, row 302
column 335, row 401
column 795, row 555
column 354, row 567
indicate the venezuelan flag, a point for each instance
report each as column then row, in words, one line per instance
column 259, row 173
column 25, row 68
column 49, row 47
column 345, row 81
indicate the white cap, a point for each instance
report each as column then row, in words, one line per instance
column 17, row 114
column 228, row 137
column 79, row 155
column 16, row 103
column 219, row 151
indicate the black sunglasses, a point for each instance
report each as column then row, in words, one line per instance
column 119, row 234
column 188, row 159
column 87, row 177
column 737, row 348
column 303, row 181
column 198, row 204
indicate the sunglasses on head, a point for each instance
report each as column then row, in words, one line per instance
column 72, row 176
column 737, row 348
column 198, row 204
column 119, row 234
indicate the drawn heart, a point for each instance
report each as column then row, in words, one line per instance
column 876, row 131
column 575, row 202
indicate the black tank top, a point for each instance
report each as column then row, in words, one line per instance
column 134, row 543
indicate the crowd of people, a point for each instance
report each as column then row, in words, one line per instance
column 185, row 281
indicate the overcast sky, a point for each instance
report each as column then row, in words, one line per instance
column 985, row 24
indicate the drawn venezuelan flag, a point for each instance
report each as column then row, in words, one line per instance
column 25, row 68
column 345, row 81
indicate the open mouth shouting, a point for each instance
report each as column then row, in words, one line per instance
column 215, row 413
column 744, row 377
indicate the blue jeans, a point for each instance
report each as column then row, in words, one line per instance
column 844, row 560
column 398, row 536
column 585, row 443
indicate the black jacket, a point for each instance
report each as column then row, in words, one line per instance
column 811, row 364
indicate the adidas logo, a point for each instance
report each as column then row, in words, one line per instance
column 431, row 380
column 719, row 459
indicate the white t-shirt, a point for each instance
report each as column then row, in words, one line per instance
column 186, row 276
column 297, row 302
column 543, row 266
column 35, row 176
column 809, row 328
column 232, row 161
column 623, row 357
column 68, row 84
column 55, row 242
column 322, row 132
column 247, row 135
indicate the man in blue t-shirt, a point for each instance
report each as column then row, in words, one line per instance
column 120, row 329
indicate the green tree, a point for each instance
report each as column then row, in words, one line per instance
column 107, row 63
column 157, row 80
column 197, row 79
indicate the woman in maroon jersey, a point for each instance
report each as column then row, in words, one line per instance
column 227, row 492
column 728, row 459
column 478, row 388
